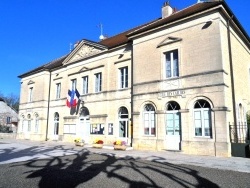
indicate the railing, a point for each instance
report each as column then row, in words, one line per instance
column 239, row 133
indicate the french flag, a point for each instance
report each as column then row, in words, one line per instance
column 72, row 98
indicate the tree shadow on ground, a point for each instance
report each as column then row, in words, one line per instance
column 106, row 170
column 34, row 152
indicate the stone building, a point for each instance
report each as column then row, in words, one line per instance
column 174, row 83
column 8, row 117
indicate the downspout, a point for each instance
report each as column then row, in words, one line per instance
column 47, row 126
column 215, row 138
column 231, row 72
column 131, row 94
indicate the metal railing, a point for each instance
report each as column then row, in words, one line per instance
column 239, row 133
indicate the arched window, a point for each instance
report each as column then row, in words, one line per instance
column 84, row 111
column 202, row 118
column 241, row 114
column 21, row 128
column 123, row 112
column 172, row 118
column 172, row 105
column 56, row 123
column 123, row 122
column 36, row 122
column 149, row 119
column 29, row 122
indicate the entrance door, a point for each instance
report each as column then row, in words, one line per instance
column 84, row 129
column 123, row 125
column 173, row 131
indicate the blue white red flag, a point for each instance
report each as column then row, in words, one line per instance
column 72, row 98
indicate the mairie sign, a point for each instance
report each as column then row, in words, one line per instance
column 173, row 93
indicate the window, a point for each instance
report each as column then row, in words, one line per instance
column 69, row 129
column 85, row 85
column 8, row 120
column 84, row 111
column 173, row 118
column 98, row 82
column 123, row 77
column 73, row 84
column 58, row 90
column 97, row 128
column 30, row 94
column 56, row 123
column 29, row 123
column 202, row 119
column 149, row 120
column 23, row 122
column 241, row 114
column 110, row 128
column 172, row 67
column 22, row 127
column 36, row 123
column 123, row 122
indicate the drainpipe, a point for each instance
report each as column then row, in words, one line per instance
column 215, row 137
column 47, row 126
column 131, row 94
column 231, row 72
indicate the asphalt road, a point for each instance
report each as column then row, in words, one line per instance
column 87, row 169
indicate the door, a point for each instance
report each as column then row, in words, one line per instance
column 173, row 131
column 173, row 126
column 83, row 130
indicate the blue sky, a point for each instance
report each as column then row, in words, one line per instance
column 34, row 32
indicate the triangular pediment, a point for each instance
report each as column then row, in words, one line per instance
column 169, row 40
column 84, row 50
column 31, row 82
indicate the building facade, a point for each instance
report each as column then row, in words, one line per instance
column 172, row 84
column 8, row 118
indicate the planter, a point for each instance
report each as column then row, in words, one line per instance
column 79, row 144
column 119, row 147
column 97, row 146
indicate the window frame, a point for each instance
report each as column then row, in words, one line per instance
column 205, row 120
column 97, row 128
column 173, row 118
column 98, row 82
column 58, row 90
column 36, row 123
column 56, row 123
column 69, row 129
column 73, row 84
column 8, row 120
column 31, row 90
column 151, row 121
column 123, row 77
column 173, row 73
column 85, row 85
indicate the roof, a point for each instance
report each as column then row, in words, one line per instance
column 49, row 66
column 124, row 37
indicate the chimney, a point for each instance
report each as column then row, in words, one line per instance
column 166, row 10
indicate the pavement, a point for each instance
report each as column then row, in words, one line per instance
column 16, row 150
